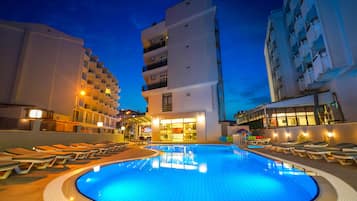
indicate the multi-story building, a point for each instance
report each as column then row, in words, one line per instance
column 311, row 47
column 45, row 75
column 281, row 75
column 97, row 103
column 183, row 75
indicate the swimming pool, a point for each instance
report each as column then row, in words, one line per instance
column 195, row 173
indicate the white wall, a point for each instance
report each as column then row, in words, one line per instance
column 11, row 41
column 192, row 51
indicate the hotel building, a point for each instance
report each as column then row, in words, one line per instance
column 183, row 74
column 49, row 78
column 311, row 51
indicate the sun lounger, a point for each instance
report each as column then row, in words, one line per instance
column 345, row 158
column 301, row 150
column 287, row 147
column 6, row 167
column 61, row 157
column 325, row 152
column 92, row 151
column 118, row 146
column 27, row 161
column 77, row 154
column 102, row 148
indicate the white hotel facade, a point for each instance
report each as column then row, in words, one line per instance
column 183, row 75
column 311, row 59
column 310, row 48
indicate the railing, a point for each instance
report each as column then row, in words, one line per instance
column 154, row 86
column 155, row 46
column 155, row 65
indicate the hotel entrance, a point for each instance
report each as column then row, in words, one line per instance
column 178, row 130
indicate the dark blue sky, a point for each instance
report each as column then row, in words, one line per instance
column 111, row 28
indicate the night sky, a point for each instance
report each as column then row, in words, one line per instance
column 111, row 28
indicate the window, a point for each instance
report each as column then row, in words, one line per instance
column 167, row 102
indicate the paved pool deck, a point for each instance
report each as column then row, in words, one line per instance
column 31, row 186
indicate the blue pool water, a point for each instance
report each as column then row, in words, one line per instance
column 195, row 173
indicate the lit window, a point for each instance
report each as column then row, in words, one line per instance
column 107, row 91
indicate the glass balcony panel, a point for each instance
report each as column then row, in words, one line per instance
column 306, row 6
column 155, row 65
column 154, row 86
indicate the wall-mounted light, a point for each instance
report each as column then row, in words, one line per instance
column 82, row 93
column 305, row 134
column 122, row 128
column 200, row 118
column 35, row 114
column 287, row 134
column 330, row 134
column 100, row 124
column 156, row 121
column 275, row 135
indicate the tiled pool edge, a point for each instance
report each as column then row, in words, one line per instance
column 344, row 191
column 52, row 192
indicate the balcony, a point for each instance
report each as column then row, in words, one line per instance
column 154, row 86
column 306, row 6
column 301, row 84
column 297, row 61
column 304, row 49
column 321, row 65
column 308, row 77
column 311, row 15
column 318, row 46
column 155, row 65
column 299, row 24
column 314, row 31
column 155, row 46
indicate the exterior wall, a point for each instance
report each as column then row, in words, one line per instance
column 346, row 132
column 47, row 67
column 11, row 42
column 27, row 139
column 192, row 51
column 278, row 57
column 190, row 43
column 322, row 40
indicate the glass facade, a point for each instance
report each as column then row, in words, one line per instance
column 178, row 130
column 285, row 117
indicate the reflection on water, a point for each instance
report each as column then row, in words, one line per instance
column 178, row 157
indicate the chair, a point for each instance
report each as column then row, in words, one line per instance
column 345, row 158
column 301, row 150
column 6, row 167
column 76, row 153
column 325, row 152
column 27, row 161
column 91, row 151
column 287, row 147
column 102, row 148
column 61, row 157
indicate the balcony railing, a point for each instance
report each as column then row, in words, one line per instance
column 154, row 86
column 155, row 65
column 155, row 46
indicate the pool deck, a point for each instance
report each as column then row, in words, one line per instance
column 346, row 173
column 30, row 187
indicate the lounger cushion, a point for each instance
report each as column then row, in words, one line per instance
column 5, row 164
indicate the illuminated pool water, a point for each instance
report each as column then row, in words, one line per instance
column 195, row 173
